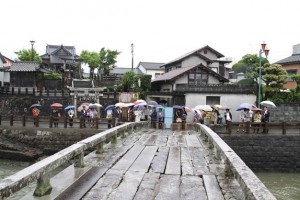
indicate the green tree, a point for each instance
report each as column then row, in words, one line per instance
column 274, row 77
column 127, row 80
column 108, row 59
column 91, row 58
column 102, row 61
column 249, row 65
column 27, row 55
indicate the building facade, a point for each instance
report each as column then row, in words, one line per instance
column 200, row 78
column 292, row 66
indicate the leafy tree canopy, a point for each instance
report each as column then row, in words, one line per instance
column 127, row 80
column 273, row 75
column 103, row 61
column 27, row 55
column 108, row 59
column 91, row 58
column 249, row 65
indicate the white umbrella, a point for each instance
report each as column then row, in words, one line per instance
column 204, row 107
column 268, row 104
column 128, row 104
column 95, row 105
column 154, row 103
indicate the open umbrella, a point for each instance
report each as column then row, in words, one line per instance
column 206, row 108
column 243, row 106
column 109, row 107
column 35, row 105
column 95, row 105
column 177, row 107
column 80, row 108
column 256, row 109
column 128, row 104
column 187, row 109
column 154, row 103
column 268, row 104
column 120, row 104
column 69, row 107
column 57, row 105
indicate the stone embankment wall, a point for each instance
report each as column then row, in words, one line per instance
column 288, row 112
column 28, row 143
column 271, row 153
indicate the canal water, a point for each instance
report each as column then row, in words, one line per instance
column 284, row 186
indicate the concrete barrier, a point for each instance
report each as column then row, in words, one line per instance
column 40, row 170
column 252, row 187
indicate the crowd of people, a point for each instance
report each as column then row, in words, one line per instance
column 155, row 115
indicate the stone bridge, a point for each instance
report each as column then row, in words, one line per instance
column 133, row 161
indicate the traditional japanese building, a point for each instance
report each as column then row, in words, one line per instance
column 199, row 77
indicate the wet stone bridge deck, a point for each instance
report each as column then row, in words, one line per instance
column 157, row 164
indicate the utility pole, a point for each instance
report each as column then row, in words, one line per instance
column 32, row 43
column 132, row 56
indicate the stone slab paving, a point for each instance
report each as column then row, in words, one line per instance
column 166, row 165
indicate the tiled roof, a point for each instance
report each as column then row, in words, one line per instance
column 219, row 55
column 171, row 75
column 151, row 65
column 120, row 70
column 294, row 59
column 25, row 66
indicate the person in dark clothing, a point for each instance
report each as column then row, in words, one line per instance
column 160, row 119
column 265, row 119
column 83, row 116
column 117, row 114
column 228, row 120
column 154, row 118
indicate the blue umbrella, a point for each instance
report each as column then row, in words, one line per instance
column 109, row 107
column 244, row 105
column 69, row 107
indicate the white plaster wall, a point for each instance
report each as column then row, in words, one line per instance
column 1, row 78
column 209, row 55
column 231, row 100
column 142, row 68
column 153, row 72
column 6, row 77
column 182, row 80
column 213, row 80
column 192, row 61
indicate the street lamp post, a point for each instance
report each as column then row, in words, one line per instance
column 32, row 43
column 266, row 52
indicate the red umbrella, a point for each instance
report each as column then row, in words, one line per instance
column 256, row 109
column 58, row 105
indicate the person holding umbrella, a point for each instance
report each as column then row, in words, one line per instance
column 265, row 118
column 35, row 114
column 71, row 116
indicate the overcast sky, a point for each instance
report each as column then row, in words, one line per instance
column 161, row 30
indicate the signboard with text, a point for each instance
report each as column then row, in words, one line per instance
column 128, row 97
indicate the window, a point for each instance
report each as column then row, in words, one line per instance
column 168, row 69
column 197, row 77
column 158, row 74
column 291, row 72
column 221, row 69
column 213, row 100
